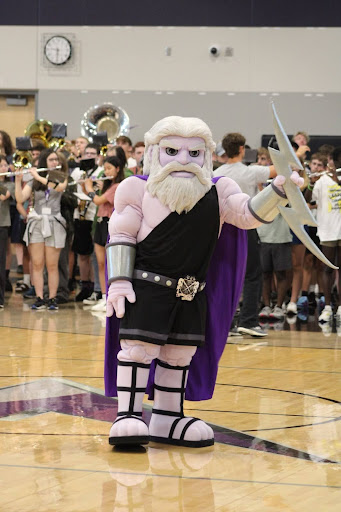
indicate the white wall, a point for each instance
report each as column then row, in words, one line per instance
column 106, row 59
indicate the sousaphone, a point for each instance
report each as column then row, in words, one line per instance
column 105, row 118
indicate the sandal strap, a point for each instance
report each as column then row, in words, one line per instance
column 119, row 418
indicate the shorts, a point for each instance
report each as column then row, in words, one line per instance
column 82, row 242
column 57, row 238
column 159, row 317
column 331, row 243
column 275, row 257
column 295, row 239
column 101, row 232
column 312, row 231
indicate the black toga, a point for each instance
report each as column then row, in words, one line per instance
column 179, row 246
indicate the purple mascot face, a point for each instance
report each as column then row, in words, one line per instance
column 182, row 150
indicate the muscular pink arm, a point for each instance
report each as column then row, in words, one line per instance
column 233, row 205
column 135, row 216
column 125, row 222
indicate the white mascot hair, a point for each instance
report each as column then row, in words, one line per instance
column 180, row 126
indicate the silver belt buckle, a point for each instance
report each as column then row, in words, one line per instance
column 187, row 288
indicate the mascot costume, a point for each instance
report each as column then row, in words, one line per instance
column 175, row 263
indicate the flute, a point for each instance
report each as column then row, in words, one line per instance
column 27, row 171
column 318, row 174
column 93, row 178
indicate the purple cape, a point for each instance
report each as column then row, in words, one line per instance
column 223, row 288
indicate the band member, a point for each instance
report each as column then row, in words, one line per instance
column 113, row 169
column 46, row 228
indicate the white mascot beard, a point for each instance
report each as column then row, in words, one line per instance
column 179, row 194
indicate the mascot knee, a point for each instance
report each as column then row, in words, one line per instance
column 138, row 351
column 176, row 355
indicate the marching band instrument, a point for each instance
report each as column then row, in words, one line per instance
column 105, row 118
column 27, row 171
column 21, row 159
column 41, row 130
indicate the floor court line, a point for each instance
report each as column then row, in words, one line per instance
column 178, row 477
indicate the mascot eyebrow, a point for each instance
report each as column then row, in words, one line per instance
column 174, row 145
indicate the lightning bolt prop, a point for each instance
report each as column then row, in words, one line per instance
column 299, row 214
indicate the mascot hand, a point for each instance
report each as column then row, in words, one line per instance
column 117, row 293
column 295, row 178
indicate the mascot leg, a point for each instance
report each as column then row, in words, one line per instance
column 134, row 361
column 168, row 423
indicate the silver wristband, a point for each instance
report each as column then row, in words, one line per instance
column 120, row 261
column 263, row 206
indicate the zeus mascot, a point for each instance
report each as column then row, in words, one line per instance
column 175, row 263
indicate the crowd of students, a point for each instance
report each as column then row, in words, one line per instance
column 56, row 221
column 283, row 278
column 59, row 218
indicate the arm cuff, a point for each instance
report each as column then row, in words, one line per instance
column 120, row 261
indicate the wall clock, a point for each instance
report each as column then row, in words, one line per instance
column 58, row 50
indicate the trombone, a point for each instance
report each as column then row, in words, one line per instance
column 27, row 171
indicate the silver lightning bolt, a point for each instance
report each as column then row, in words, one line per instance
column 299, row 213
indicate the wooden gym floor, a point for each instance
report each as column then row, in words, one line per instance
column 276, row 413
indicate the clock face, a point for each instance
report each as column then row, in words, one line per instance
column 58, row 50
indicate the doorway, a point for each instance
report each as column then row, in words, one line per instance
column 17, row 110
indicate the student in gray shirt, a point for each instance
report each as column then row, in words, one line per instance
column 248, row 178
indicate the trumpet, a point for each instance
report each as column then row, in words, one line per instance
column 27, row 171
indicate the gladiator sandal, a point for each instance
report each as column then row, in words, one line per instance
column 168, row 423
column 129, row 427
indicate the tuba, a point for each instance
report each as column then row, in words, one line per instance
column 105, row 118
column 40, row 130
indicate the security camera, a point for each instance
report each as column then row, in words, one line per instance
column 214, row 50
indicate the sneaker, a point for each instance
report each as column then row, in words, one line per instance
column 292, row 308
column 83, row 294
column 39, row 304
column 326, row 315
column 20, row 269
column 253, row 331
column 52, row 305
column 93, row 299
column 100, row 306
column 265, row 312
column 277, row 313
column 21, row 287
column 234, row 332
column 30, row 294
column 1, row 307
column 302, row 302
